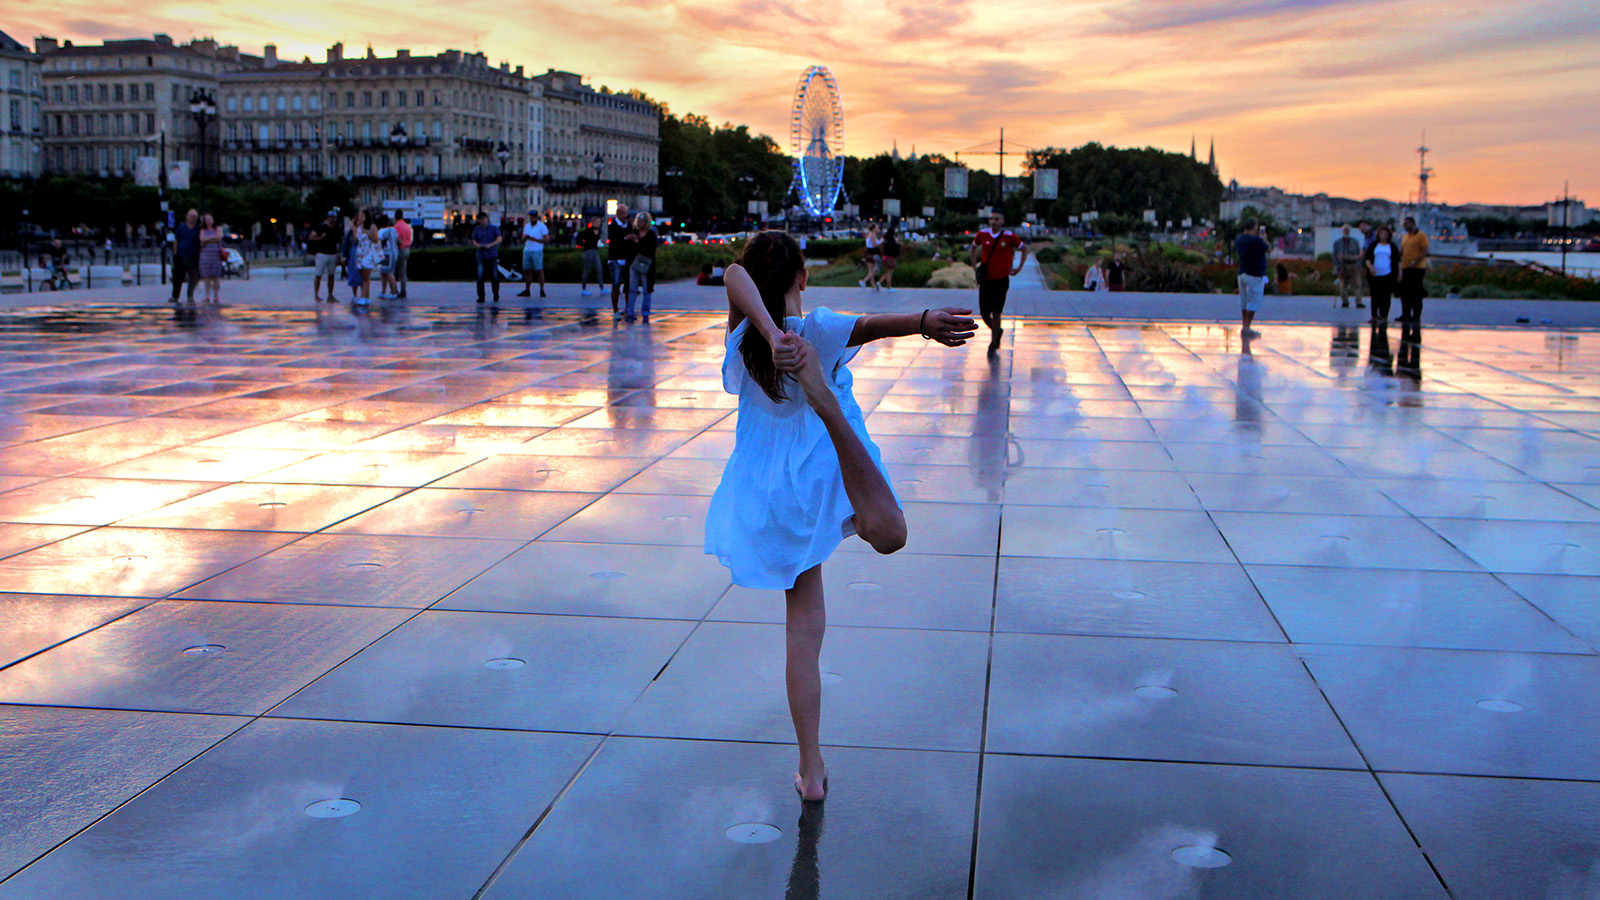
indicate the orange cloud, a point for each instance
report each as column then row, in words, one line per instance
column 1310, row 95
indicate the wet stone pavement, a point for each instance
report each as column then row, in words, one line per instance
column 412, row 604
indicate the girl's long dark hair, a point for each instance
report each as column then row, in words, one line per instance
column 773, row 260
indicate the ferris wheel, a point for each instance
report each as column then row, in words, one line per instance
column 816, row 138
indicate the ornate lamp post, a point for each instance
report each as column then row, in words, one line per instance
column 203, row 107
column 398, row 140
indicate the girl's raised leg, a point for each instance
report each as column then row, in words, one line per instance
column 807, row 621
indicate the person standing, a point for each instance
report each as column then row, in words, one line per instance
column 389, row 247
column 349, row 251
column 991, row 254
column 1349, row 261
column 1251, row 251
column 1413, row 271
column 588, row 242
column 1285, row 280
column 211, row 258
column 642, row 271
column 369, row 256
column 108, row 250
column 323, row 242
column 486, row 243
column 186, row 254
column 1383, row 262
column 1116, row 274
column 618, row 249
column 402, row 258
column 535, row 235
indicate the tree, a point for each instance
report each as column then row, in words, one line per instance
column 1129, row 181
column 713, row 172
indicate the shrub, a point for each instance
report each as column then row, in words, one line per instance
column 1049, row 255
column 561, row 264
column 1159, row 272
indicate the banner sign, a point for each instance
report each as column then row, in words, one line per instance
column 955, row 182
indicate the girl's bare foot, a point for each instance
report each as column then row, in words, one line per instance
column 812, row 789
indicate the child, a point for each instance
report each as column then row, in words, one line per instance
column 803, row 474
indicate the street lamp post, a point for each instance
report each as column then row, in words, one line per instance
column 599, row 168
column 503, row 154
column 398, row 140
column 203, row 107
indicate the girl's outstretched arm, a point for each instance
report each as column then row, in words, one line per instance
column 950, row 327
column 744, row 302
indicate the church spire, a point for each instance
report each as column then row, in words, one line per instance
column 1211, row 159
column 1191, row 149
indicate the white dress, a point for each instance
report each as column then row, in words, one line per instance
column 781, row 507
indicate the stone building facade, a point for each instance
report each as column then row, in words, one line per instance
column 106, row 105
column 599, row 146
column 21, row 110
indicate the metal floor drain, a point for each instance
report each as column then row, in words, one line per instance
column 204, row 649
column 752, row 833
column 1500, row 706
column 504, row 662
column 606, row 575
column 333, row 809
column 831, row 678
column 1197, row 857
column 1154, row 692
column 864, row 586
column 1129, row 595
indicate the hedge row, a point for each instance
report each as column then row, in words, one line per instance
column 561, row 264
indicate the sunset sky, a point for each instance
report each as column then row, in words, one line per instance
column 1308, row 95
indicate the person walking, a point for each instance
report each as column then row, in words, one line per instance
column 402, row 259
column 535, row 235
column 389, row 249
column 642, row 271
column 1095, row 278
column 617, row 254
column 990, row 254
column 1349, row 262
column 349, row 252
column 211, row 252
column 1116, row 274
column 874, row 247
column 323, row 242
column 1383, row 266
column 890, row 251
column 186, row 254
column 588, row 242
column 1413, row 271
column 804, row 474
column 1250, row 249
column 486, row 243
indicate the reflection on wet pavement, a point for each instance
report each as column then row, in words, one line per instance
column 416, row 598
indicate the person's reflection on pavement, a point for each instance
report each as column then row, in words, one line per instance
column 805, row 875
column 1379, row 359
column 986, row 450
column 1409, row 366
column 631, row 380
column 1345, row 349
column 1247, row 393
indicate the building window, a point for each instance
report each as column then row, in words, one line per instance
column 149, row 91
column 421, row 96
column 55, row 93
column 296, row 103
column 233, row 104
column 103, row 93
column 282, row 131
column 149, row 123
column 249, row 104
column 233, row 131
column 366, row 164
column 366, row 131
column 314, row 101
column 117, row 95
column 366, row 99
column 75, row 159
column 399, row 98
column 264, row 106
column 349, row 99
column 116, row 125
column 349, row 167
column 72, row 93
column 383, row 99
column 283, row 103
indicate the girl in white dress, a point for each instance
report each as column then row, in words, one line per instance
column 803, row 475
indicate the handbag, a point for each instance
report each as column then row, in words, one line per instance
column 642, row 264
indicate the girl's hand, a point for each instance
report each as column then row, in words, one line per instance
column 809, row 374
column 950, row 327
column 791, row 352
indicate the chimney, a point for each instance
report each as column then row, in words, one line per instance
column 519, row 71
column 370, row 54
column 204, row 46
column 269, row 56
column 229, row 53
column 336, row 53
column 67, row 44
column 43, row 45
column 165, row 39
column 402, row 54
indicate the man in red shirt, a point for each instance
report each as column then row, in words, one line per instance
column 993, row 249
column 403, row 236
